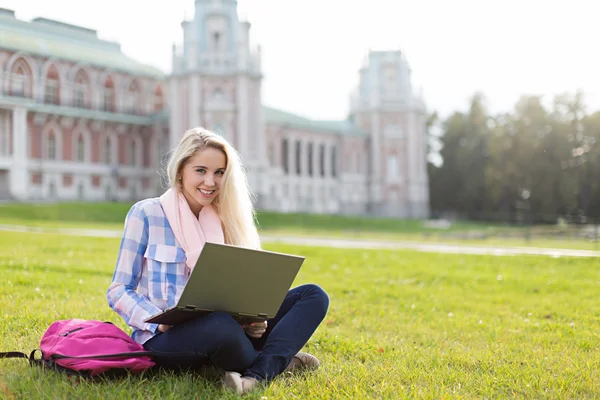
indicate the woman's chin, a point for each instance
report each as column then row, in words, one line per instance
column 204, row 201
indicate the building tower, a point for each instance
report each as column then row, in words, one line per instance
column 385, row 105
column 216, row 83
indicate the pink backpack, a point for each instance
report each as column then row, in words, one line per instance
column 88, row 348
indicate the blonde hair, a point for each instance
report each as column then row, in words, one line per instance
column 234, row 201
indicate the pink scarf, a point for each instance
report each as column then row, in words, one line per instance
column 191, row 232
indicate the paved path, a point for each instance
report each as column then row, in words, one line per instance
column 348, row 243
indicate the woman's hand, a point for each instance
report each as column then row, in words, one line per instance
column 256, row 329
column 163, row 328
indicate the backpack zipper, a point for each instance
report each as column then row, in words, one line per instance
column 71, row 331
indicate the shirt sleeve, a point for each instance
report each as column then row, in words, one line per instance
column 121, row 294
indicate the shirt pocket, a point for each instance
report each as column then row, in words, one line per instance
column 166, row 271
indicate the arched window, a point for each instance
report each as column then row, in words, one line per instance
column 132, row 155
column 21, row 79
column 107, row 151
column 81, row 90
column 133, row 96
column 109, row 95
column 80, row 149
column 52, row 87
column 51, row 146
column 158, row 99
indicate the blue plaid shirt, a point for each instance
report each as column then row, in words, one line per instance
column 150, row 273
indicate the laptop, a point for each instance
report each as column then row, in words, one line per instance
column 248, row 284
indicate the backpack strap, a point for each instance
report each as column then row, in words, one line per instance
column 18, row 354
column 32, row 359
column 13, row 354
column 115, row 355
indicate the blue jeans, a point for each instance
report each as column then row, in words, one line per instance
column 219, row 340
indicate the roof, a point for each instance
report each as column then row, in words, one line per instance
column 285, row 118
column 50, row 38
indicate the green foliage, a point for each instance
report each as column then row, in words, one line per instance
column 401, row 324
column 537, row 163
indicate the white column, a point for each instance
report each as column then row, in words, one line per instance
column 375, row 178
column 260, row 136
column 315, row 159
column 4, row 132
column 19, row 175
column 241, row 142
column 194, row 102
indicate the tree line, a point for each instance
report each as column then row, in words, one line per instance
column 538, row 163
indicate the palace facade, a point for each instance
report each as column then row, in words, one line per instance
column 81, row 121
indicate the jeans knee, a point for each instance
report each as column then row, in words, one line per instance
column 319, row 295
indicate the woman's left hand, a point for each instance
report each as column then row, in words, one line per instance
column 255, row 329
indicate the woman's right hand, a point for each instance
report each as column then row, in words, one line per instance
column 163, row 328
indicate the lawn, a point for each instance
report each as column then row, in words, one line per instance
column 401, row 324
column 110, row 216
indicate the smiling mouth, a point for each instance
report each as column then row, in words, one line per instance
column 206, row 192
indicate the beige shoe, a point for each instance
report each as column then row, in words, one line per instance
column 303, row 361
column 238, row 383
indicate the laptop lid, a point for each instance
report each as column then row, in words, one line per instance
column 240, row 281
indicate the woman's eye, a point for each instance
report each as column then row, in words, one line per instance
column 201, row 170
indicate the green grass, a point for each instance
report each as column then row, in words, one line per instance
column 401, row 324
column 112, row 214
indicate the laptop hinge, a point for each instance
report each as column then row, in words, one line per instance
column 259, row 315
column 190, row 307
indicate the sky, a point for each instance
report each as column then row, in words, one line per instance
column 313, row 49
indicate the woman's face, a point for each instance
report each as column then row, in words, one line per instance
column 201, row 177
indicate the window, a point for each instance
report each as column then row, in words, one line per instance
column 18, row 85
column 298, row 157
column 132, row 98
column 216, row 43
column 322, row 159
column 158, row 99
column 284, row 156
column 310, row 159
column 80, row 149
column 107, row 151
column 79, row 95
column 51, row 146
column 393, row 167
column 108, row 96
column 51, row 93
column 132, row 157
column 218, row 95
column 219, row 129
column 80, row 90
column 333, row 161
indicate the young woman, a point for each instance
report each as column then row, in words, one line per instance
column 208, row 200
